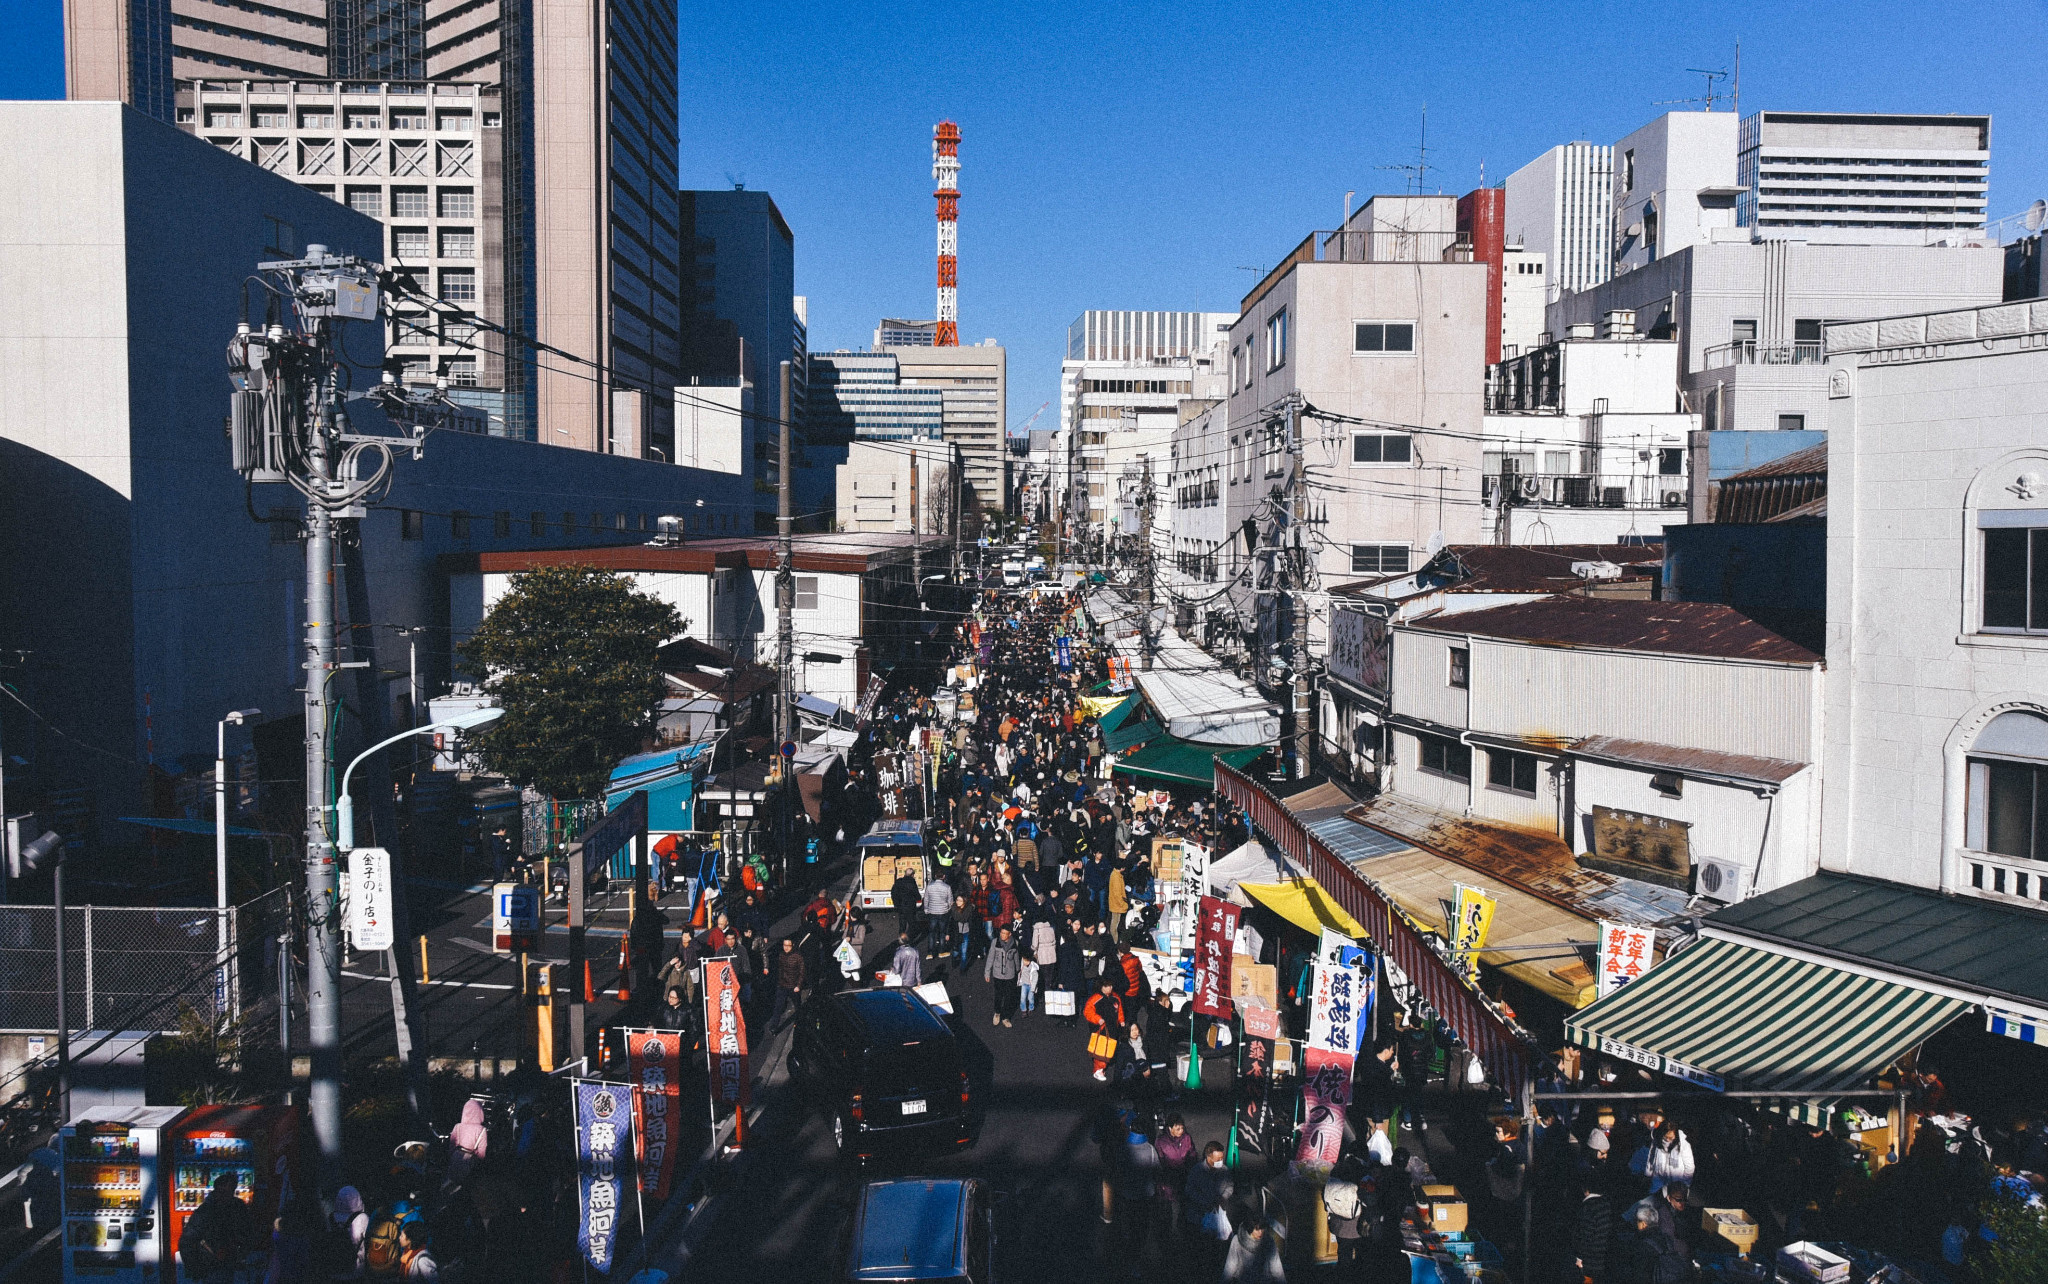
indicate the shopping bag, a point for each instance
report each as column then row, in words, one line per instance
column 1059, row 1003
column 847, row 957
column 1101, row 1045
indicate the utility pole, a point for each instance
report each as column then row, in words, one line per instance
column 1301, row 701
column 1148, row 568
column 785, row 599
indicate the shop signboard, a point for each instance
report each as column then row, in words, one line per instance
column 657, row 1064
column 1625, row 954
column 1342, row 999
column 369, row 900
column 1635, row 845
column 1359, row 648
column 1254, row 1085
column 604, row 1119
column 1216, row 926
column 1325, row 1097
column 515, row 918
column 726, row 1041
column 1475, row 921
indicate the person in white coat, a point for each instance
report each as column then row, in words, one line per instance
column 1668, row 1158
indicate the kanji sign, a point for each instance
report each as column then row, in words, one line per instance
column 1325, row 1095
column 369, row 899
column 1343, row 995
column 1625, row 954
column 725, row 1040
column 603, row 1114
column 1215, row 929
column 657, row 1062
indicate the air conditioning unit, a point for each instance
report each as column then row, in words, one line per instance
column 1723, row 880
column 1674, row 499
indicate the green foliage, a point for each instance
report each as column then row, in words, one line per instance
column 569, row 653
column 214, row 1061
column 2020, row 1253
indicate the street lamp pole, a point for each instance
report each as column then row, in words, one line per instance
column 220, row 850
column 344, row 803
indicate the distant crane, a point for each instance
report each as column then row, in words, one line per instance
column 1026, row 429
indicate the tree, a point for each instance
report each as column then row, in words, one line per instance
column 2019, row 1254
column 570, row 653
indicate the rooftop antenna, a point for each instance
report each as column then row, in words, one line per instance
column 1735, row 86
column 1418, row 173
column 1707, row 100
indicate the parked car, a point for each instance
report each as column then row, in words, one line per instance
column 887, row 1066
column 931, row 1230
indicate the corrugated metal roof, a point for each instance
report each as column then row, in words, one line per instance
column 1998, row 950
column 1507, row 568
column 1643, row 753
column 1670, row 628
column 1813, row 461
column 1353, row 842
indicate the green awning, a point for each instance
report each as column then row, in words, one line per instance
column 1183, row 762
column 1127, row 725
column 1733, row 1017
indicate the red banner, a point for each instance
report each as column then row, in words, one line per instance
column 726, row 1042
column 657, row 1061
column 1215, row 935
column 1325, row 1096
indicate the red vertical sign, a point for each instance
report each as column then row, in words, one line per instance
column 1215, row 937
column 657, row 1061
column 727, row 1043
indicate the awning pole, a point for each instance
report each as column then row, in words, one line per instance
column 1528, row 1176
column 1832, row 1093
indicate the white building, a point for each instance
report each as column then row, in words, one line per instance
column 1674, row 182
column 898, row 486
column 1864, row 178
column 1524, row 291
column 973, row 387
column 1561, row 205
column 1584, row 441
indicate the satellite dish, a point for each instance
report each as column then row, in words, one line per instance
column 2036, row 215
column 1436, row 544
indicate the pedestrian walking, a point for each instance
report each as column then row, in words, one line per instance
column 1000, row 969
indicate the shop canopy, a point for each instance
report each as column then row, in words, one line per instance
column 1306, row 905
column 1215, row 708
column 1735, row 1018
column 1127, row 724
column 1182, row 763
column 1249, row 863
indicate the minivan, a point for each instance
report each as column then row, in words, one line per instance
column 887, row 1066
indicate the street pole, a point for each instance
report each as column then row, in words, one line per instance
column 1300, row 697
column 63, row 1013
column 1145, row 552
column 323, row 950
column 785, row 600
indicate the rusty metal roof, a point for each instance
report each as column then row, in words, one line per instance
column 1670, row 628
column 1811, row 462
column 1701, row 762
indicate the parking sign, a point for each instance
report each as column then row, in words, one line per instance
column 515, row 918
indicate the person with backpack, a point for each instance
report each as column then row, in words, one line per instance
column 218, row 1235
column 1346, row 1210
column 383, row 1254
column 342, row 1240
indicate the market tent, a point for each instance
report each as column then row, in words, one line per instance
column 1214, row 708
column 1167, row 758
column 1733, row 1017
column 1127, row 725
column 1247, row 864
column 1305, row 904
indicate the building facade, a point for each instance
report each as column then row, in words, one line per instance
column 863, row 396
column 973, row 384
column 1674, row 182
column 1846, row 178
column 1561, row 205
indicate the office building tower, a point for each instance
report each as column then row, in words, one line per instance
column 745, row 260
column 972, row 382
column 1561, row 205
column 862, row 396
column 896, row 333
column 1863, row 178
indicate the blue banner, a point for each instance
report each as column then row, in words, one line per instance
column 604, row 1161
column 1063, row 653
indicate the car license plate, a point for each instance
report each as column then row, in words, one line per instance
column 913, row 1107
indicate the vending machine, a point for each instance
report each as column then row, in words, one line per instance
column 114, row 1177
column 258, row 1145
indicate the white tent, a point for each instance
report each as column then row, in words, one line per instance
column 1212, row 708
column 1251, row 863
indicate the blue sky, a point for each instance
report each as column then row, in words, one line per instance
column 1137, row 156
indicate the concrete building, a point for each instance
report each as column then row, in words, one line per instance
column 895, row 333
column 429, row 161
column 862, row 395
column 745, row 260
column 1674, row 182
column 147, row 600
column 1524, row 292
column 1748, row 316
column 1383, row 321
column 902, row 486
column 1864, row 178
column 1584, row 441
column 1561, row 205
column 973, row 385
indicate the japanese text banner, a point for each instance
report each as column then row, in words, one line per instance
column 657, row 1062
column 603, row 1160
column 1215, row 930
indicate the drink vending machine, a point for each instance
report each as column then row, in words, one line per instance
column 114, row 1175
column 257, row 1145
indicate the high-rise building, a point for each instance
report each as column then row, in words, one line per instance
column 896, row 333
column 972, row 383
column 1863, row 178
column 1674, row 186
column 586, row 253
column 862, row 395
column 1562, row 205
column 745, row 257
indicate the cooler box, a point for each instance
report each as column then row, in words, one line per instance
column 1733, row 1225
column 1808, row 1263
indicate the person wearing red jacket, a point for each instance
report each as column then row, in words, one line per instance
column 1104, row 1013
column 1133, row 978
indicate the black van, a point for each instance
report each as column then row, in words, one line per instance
column 887, row 1066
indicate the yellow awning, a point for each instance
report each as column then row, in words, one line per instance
column 1096, row 706
column 1420, row 883
column 1304, row 903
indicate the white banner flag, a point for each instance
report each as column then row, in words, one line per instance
column 369, row 901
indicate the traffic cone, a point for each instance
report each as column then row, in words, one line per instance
column 589, row 995
column 625, row 969
column 700, row 919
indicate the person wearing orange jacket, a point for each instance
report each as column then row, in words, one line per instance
column 1133, row 974
column 1105, row 1016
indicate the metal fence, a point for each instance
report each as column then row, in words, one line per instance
column 132, row 968
column 548, row 825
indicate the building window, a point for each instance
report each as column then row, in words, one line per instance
column 2016, row 579
column 1513, row 773
column 1446, row 758
column 457, row 202
column 411, row 524
column 806, row 592
column 270, row 118
column 1742, row 331
column 408, row 202
column 316, row 118
column 360, row 118
column 501, row 524
column 367, row 200
column 537, row 525
column 2008, row 794
column 460, row 122
column 458, row 285
column 1628, row 170
column 1276, row 340
column 223, row 118
column 1791, row 423
column 568, row 523
column 1671, row 460
column 461, row 372
column 408, row 120
column 1381, row 448
column 1459, row 670
column 458, row 243
column 458, row 524
column 409, row 242
column 1379, row 559
column 1383, row 336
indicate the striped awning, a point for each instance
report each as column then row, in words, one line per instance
column 1732, row 1017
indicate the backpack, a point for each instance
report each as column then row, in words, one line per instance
column 381, row 1254
column 197, row 1255
column 1341, row 1198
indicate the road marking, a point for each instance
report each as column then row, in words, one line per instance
column 471, row 985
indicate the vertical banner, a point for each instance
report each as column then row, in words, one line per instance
column 1625, row 954
column 725, row 1040
column 1325, row 1096
column 1216, row 929
column 1254, row 1086
column 1063, row 653
column 1343, row 997
column 1475, row 920
column 657, row 1063
column 1194, row 885
column 369, row 918
column 603, row 1118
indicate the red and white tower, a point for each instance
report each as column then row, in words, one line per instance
column 946, row 174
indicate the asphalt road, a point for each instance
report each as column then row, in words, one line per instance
column 1034, row 1145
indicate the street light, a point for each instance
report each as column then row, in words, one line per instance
column 220, row 846
column 47, row 852
column 344, row 805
